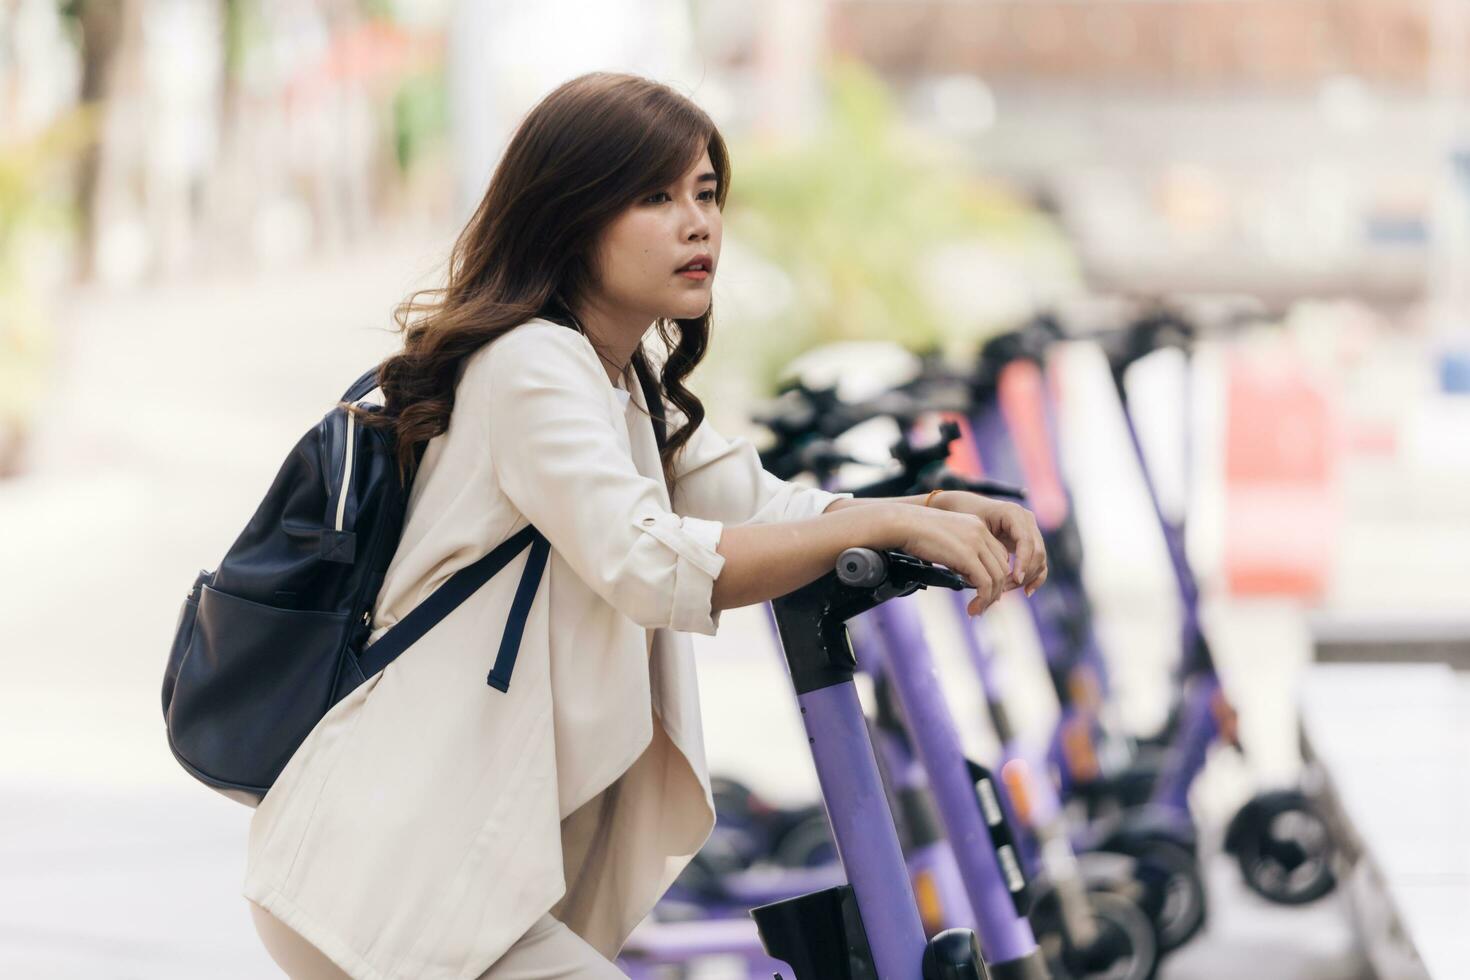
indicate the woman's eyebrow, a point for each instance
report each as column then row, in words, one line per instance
column 707, row 176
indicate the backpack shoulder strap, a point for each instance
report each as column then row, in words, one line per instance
column 654, row 400
column 363, row 385
column 459, row 587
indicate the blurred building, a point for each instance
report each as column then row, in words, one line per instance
column 1278, row 147
column 1265, row 46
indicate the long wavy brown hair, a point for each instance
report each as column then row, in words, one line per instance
column 594, row 146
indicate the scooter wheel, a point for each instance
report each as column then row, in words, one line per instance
column 742, row 825
column 1125, row 790
column 1286, row 854
column 1174, row 892
column 807, row 844
column 1123, row 949
column 732, row 797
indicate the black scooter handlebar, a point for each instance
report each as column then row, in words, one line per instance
column 867, row 568
column 1156, row 331
column 949, row 480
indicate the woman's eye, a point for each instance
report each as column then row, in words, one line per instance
column 661, row 196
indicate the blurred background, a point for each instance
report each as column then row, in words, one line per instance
column 208, row 209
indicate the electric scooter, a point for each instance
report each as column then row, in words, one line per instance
column 870, row 927
column 1159, row 845
column 1087, row 931
column 1279, row 839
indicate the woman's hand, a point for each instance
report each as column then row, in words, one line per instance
column 976, row 537
column 972, row 535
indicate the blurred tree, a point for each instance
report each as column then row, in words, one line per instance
column 96, row 26
column 420, row 115
column 849, row 214
column 36, row 201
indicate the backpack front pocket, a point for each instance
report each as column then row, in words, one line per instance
column 183, row 634
column 252, row 683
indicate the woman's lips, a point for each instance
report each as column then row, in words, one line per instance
column 698, row 268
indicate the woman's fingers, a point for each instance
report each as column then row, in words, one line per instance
column 987, row 589
column 997, row 565
column 1003, row 557
column 980, row 551
column 1037, row 582
column 1026, row 550
column 980, row 580
column 1019, row 530
column 973, row 569
column 1025, row 536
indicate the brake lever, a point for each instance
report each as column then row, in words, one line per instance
column 949, row 480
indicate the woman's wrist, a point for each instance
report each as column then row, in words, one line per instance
column 892, row 529
column 965, row 502
column 886, row 520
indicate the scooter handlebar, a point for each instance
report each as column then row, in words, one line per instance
column 868, row 568
column 949, row 480
column 1154, row 331
column 862, row 568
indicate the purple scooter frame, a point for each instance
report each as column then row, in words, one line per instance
column 1290, row 868
column 819, row 656
column 1081, row 750
column 942, row 900
column 1202, row 707
column 933, row 867
column 990, row 870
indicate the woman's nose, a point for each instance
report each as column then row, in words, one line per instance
column 697, row 224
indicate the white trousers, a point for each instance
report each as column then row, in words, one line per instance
column 548, row 951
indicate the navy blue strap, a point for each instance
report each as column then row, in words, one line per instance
column 365, row 383
column 655, row 403
column 520, row 609
column 461, row 585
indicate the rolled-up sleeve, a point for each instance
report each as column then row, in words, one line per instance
column 558, row 459
column 723, row 480
column 695, row 541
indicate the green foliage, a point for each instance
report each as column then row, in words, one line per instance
column 420, row 115
column 384, row 9
column 242, row 26
column 848, row 213
column 35, row 202
column 31, row 196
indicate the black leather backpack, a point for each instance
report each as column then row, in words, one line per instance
column 272, row 638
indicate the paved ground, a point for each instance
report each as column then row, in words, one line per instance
column 176, row 406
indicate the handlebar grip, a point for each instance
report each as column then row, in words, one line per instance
column 866, row 568
column 862, row 568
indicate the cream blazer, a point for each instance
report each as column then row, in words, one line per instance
column 429, row 819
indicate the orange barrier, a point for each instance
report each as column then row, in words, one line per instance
column 1281, row 456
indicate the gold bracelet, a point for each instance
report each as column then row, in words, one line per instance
column 930, row 498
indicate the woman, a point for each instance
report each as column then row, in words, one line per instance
column 432, row 826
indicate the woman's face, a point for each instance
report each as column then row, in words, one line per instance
column 642, row 257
